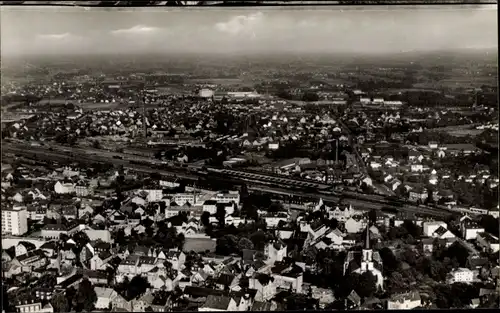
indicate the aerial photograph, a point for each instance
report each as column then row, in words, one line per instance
column 249, row 158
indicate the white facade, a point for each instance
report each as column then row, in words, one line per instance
column 471, row 233
column 64, row 188
column 182, row 198
column 206, row 93
column 430, row 227
column 154, row 195
column 223, row 197
column 15, row 221
column 462, row 275
column 407, row 301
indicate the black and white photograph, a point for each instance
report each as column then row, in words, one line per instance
column 249, row 158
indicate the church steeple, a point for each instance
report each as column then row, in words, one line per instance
column 367, row 251
column 367, row 240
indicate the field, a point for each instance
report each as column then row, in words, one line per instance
column 199, row 244
column 86, row 106
column 460, row 130
column 466, row 132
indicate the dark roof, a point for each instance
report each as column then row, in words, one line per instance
column 354, row 297
column 198, row 292
column 58, row 227
column 49, row 245
column 30, row 254
column 71, row 280
column 440, row 231
column 217, row 302
column 263, row 279
column 225, row 279
column 210, row 202
column 28, row 245
column 261, row 306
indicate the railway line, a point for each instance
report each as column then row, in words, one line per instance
column 260, row 182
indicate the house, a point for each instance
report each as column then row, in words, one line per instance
column 32, row 260
column 105, row 297
column 461, row 275
column 24, row 247
column 176, row 258
column 417, row 167
column 264, row 284
column 488, row 242
column 433, row 145
column 218, row 303
column 354, row 225
column 210, row 206
column 404, row 301
column 428, row 245
column 443, row 233
column 143, row 302
column 418, row 194
column 64, row 188
column 33, row 306
column 470, row 229
column 352, row 301
column 99, row 260
column 414, row 155
column 430, row 227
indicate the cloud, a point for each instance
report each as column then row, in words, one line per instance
column 241, row 24
column 55, row 36
column 136, row 30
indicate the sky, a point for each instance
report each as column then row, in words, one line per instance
column 77, row 30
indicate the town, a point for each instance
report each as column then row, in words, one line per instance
column 220, row 185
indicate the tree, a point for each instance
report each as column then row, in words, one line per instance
column 458, row 252
column 85, row 297
column 396, row 283
column 245, row 243
column 221, row 214
column 138, row 286
column 226, row 245
column 389, row 260
column 410, row 257
column 60, row 302
column 367, row 285
column 205, row 218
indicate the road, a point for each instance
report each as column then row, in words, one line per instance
column 95, row 155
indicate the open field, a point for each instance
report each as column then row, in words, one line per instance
column 99, row 106
column 199, row 244
column 460, row 130
column 466, row 132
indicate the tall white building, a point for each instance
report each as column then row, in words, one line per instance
column 15, row 221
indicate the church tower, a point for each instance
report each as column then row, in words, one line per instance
column 367, row 263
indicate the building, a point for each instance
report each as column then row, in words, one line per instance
column 276, row 251
column 227, row 197
column 404, row 301
column 430, row 227
column 461, row 275
column 154, row 195
column 218, row 303
column 64, row 188
column 488, row 242
column 470, row 229
column 34, row 306
column 368, row 261
column 206, row 93
column 15, row 221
